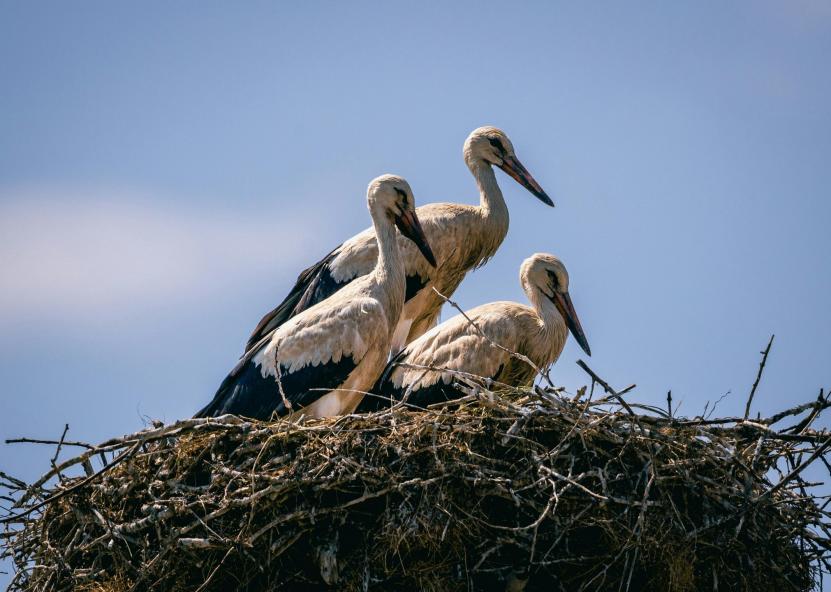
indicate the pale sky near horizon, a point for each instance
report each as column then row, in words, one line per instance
column 166, row 171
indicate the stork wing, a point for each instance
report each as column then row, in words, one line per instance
column 313, row 285
column 352, row 259
column 301, row 360
column 431, row 364
column 251, row 394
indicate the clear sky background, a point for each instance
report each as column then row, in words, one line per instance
column 166, row 171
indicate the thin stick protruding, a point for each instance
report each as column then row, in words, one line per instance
column 758, row 377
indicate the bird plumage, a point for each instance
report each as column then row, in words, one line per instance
column 322, row 360
column 463, row 237
column 429, row 366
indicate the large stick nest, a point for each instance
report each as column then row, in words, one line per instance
column 499, row 491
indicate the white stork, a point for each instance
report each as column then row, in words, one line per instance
column 462, row 236
column 539, row 332
column 321, row 361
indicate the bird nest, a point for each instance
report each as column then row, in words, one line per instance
column 503, row 490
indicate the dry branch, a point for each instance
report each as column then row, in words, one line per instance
column 764, row 353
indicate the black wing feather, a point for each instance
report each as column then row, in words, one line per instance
column 381, row 395
column 245, row 391
column 385, row 394
column 313, row 285
column 414, row 285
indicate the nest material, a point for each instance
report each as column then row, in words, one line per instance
column 521, row 489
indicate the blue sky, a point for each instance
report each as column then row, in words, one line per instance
column 166, row 171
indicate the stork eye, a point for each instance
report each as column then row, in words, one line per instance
column 496, row 143
column 555, row 282
column 402, row 194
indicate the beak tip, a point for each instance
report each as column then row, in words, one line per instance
column 543, row 197
column 520, row 174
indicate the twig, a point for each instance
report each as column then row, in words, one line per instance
column 790, row 476
column 58, row 451
column 758, row 377
column 68, row 490
column 606, row 386
column 816, row 407
column 48, row 442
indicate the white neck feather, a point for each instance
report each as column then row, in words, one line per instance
column 490, row 195
column 554, row 328
column 388, row 276
column 389, row 256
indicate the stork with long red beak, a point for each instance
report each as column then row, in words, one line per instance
column 429, row 366
column 320, row 362
column 463, row 237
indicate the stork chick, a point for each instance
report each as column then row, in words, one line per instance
column 321, row 361
column 539, row 332
column 462, row 236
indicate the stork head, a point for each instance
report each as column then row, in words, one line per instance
column 491, row 146
column 390, row 197
column 547, row 274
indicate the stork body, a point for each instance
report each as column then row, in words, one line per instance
column 463, row 237
column 321, row 361
column 539, row 332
